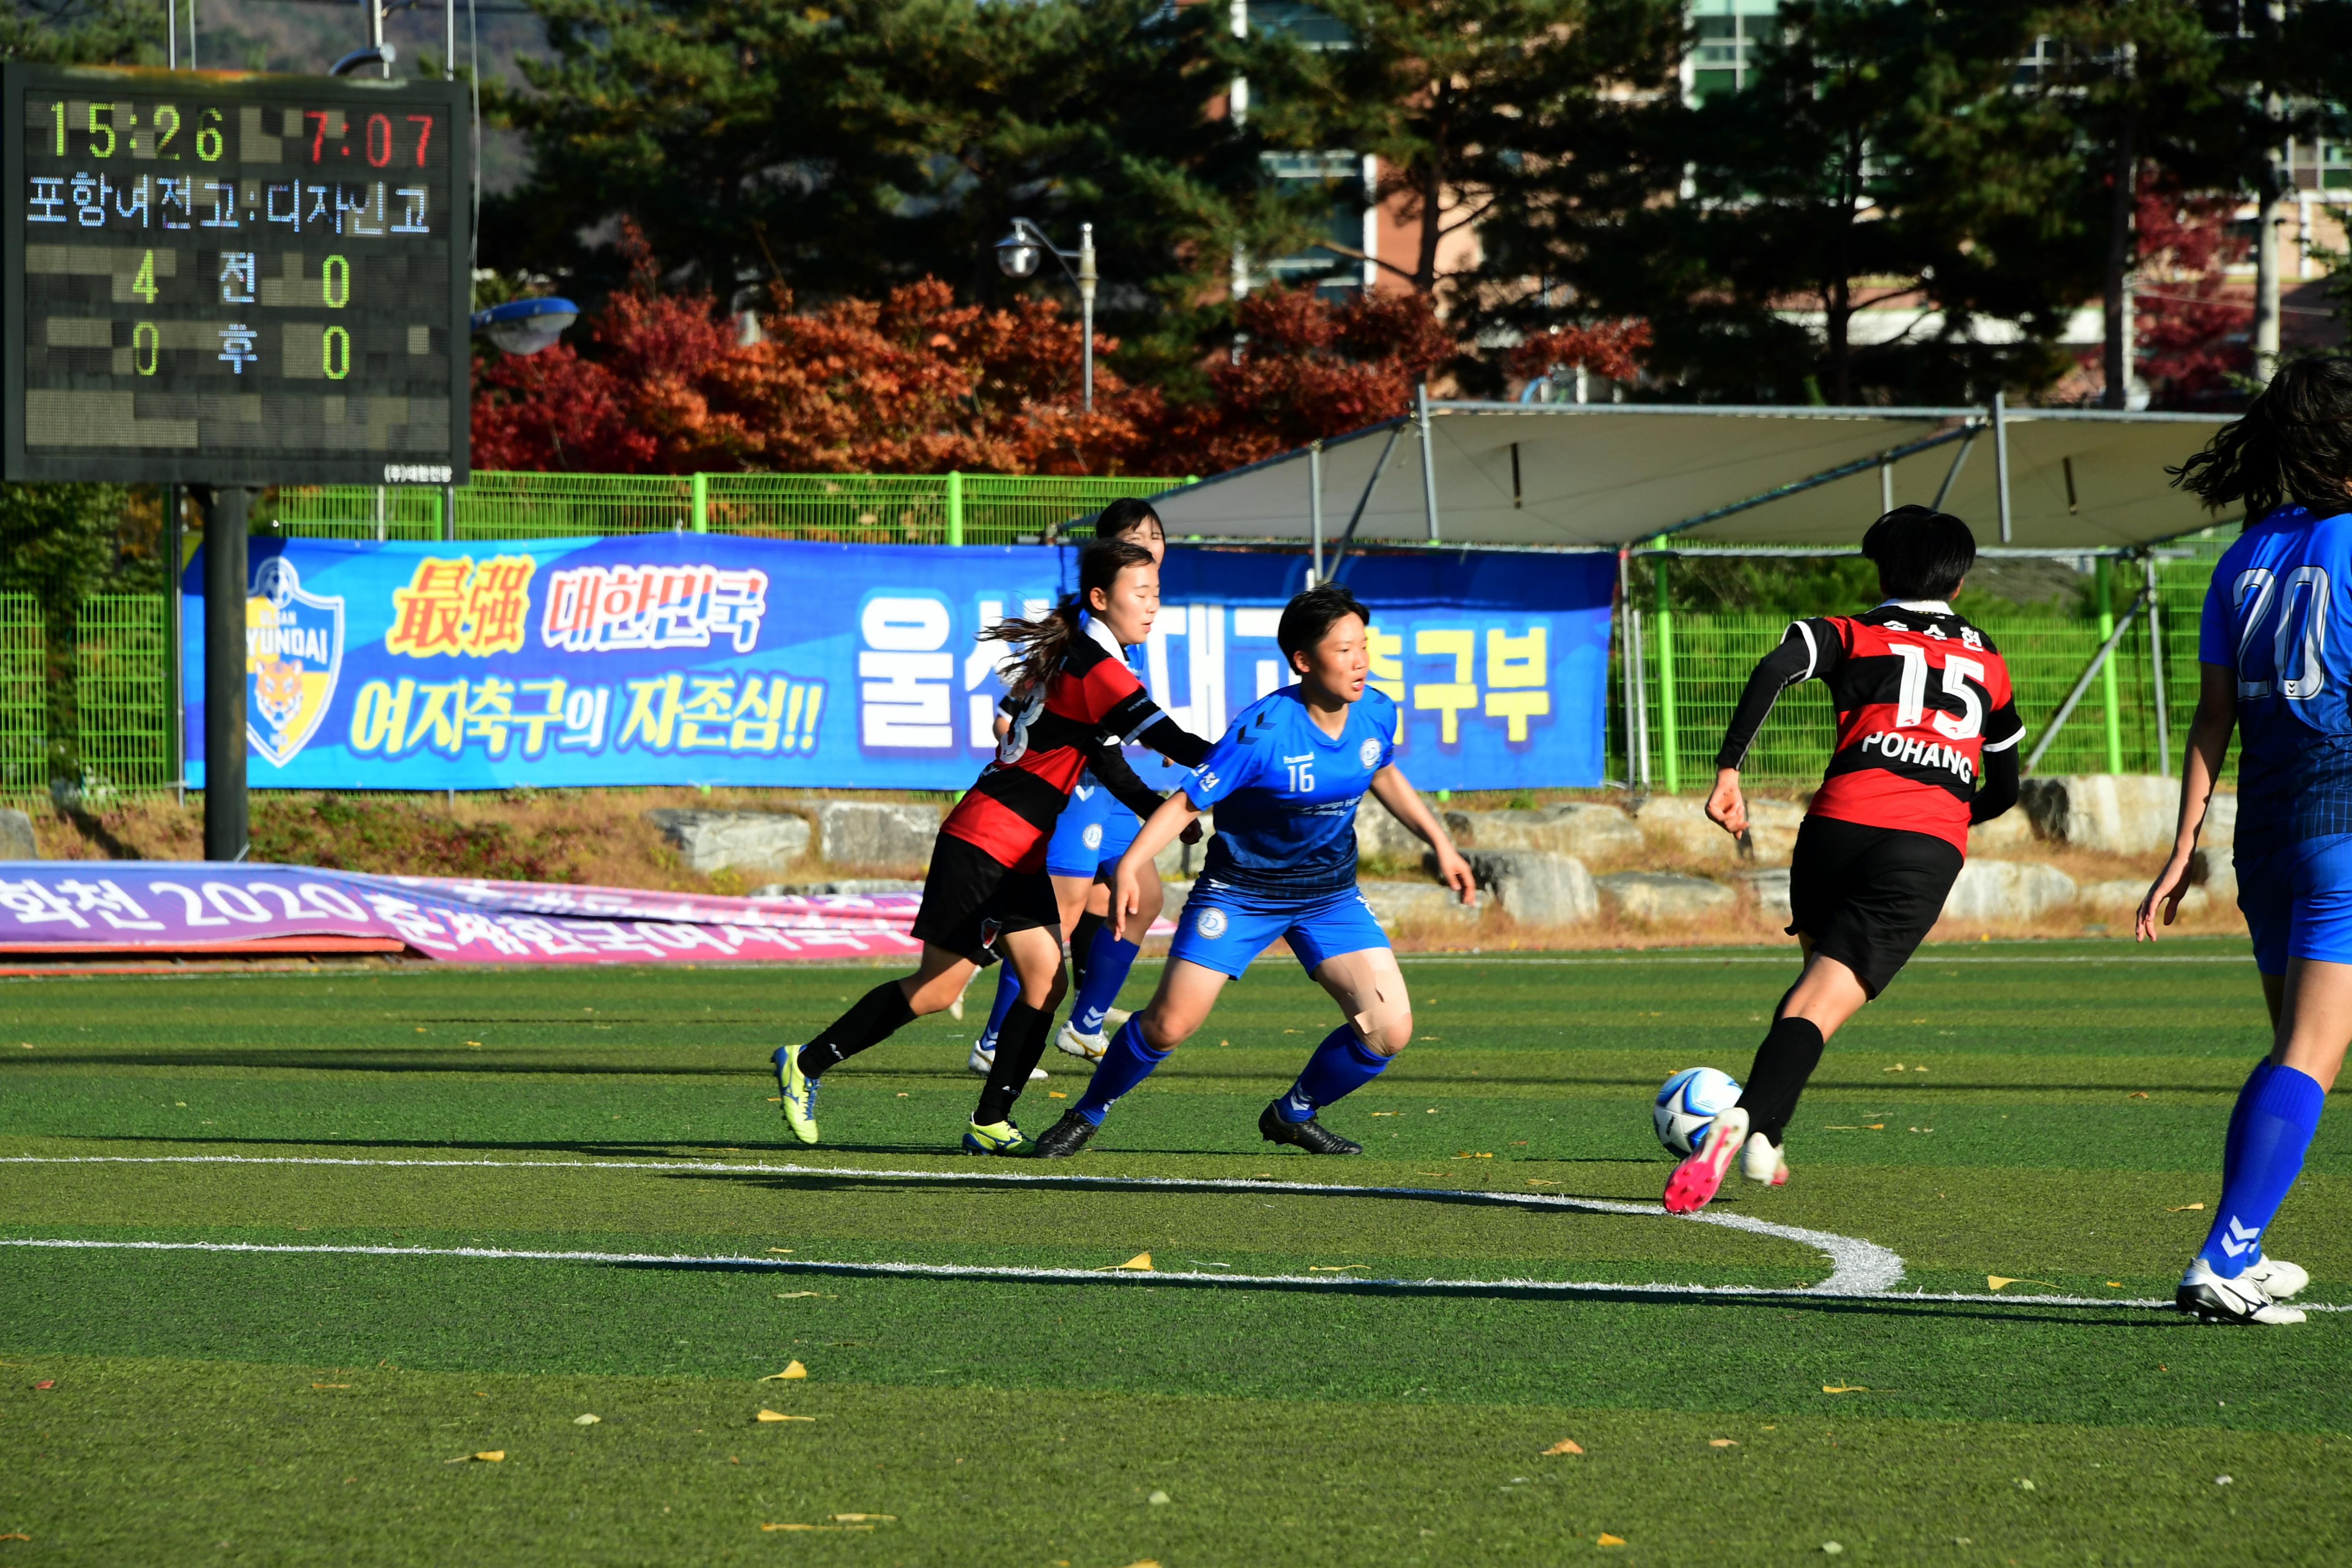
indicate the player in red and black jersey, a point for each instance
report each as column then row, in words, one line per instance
column 1073, row 704
column 1927, row 739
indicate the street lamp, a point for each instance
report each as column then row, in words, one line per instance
column 1017, row 255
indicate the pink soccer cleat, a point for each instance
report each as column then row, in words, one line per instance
column 1696, row 1179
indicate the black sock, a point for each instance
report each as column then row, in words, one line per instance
column 873, row 1018
column 1082, row 942
column 1783, row 1062
column 1019, row 1043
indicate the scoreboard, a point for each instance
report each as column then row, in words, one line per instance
column 235, row 279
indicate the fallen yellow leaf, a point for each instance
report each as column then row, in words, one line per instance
column 1565, row 1445
column 2184, row 1208
column 1723, row 1442
column 862, row 1518
column 772, row 1416
column 1055, row 1094
column 1140, row 1263
column 2136, row 1094
column 796, row 1295
column 1605, row 1539
column 17, row 1535
column 785, row 1250
column 586, row 1420
column 488, row 1456
column 1334, row 1268
column 816, row 1526
column 2115, row 1284
column 331, row 1385
column 1995, row 1281
column 791, row 1374
column 1843, row 1388
column 1539, row 1181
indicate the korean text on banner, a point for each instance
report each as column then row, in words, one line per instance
column 705, row 659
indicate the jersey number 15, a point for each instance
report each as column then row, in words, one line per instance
column 1911, row 696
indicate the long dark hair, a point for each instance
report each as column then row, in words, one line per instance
column 1126, row 515
column 1045, row 640
column 2292, row 443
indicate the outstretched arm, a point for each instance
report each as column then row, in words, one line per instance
column 1807, row 649
column 2209, row 742
column 1392, row 790
column 1176, row 815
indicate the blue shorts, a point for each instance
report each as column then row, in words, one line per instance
column 1224, row 926
column 1093, row 831
column 2297, row 901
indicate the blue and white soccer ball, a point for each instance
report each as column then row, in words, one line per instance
column 1688, row 1105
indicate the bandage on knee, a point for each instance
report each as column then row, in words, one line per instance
column 1384, row 1023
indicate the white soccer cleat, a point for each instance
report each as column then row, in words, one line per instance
column 2215, row 1300
column 1764, row 1161
column 1090, row 1046
column 984, row 1057
column 1115, row 1020
column 2277, row 1277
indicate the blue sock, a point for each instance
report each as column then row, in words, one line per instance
column 1128, row 1062
column 2281, row 1114
column 1109, row 959
column 1008, row 992
column 1340, row 1066
column 2236, row 1136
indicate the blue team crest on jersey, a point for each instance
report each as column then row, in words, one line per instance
column 293, row 654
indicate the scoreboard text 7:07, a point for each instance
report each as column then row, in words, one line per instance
column 235, row 280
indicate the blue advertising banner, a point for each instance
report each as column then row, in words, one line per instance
column 704, row 659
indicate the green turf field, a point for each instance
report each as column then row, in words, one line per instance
column 1371, row 1375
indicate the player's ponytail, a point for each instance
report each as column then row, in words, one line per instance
column 1045, row 640
column 2294, row 443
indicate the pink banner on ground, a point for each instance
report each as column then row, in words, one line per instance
column 68, row 908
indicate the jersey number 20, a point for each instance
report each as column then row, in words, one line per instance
column 2254, row 595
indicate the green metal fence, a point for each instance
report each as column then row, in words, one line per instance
column 1693, row 667
column 24, row 697
column 865, row 508
column 123, row 693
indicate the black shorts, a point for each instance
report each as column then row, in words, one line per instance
column 970, row 899
column 1868, row 896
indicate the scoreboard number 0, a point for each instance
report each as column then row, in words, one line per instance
column 234, row 279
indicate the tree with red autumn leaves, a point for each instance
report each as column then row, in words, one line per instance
column 2191, row 334
column 916, row 383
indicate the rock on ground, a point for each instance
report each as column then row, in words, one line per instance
column 875, row 833
column 1377, row 833
column 2008, row 890
column 16, row 835
column 2120, row 897
column 1585, row 828
column 1655, row 897
column 1416, row 903
column 713, row 840
column 2123, row 814
column 2011, row 833
column 1533, row 887
column 1679, row 823
column 1770, row 886
column 2215, row 869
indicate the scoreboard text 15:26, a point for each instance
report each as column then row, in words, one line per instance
column 237, row 279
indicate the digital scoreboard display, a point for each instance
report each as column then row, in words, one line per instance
column 235, row 279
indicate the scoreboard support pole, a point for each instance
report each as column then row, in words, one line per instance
column 175, row 704
column 226, row 822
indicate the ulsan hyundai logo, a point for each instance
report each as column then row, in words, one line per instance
column 293, row 652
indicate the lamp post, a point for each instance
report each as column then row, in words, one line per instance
column 1017, row 255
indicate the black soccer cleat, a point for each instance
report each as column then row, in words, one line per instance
column 1310, row 1134
column 1063, row 1139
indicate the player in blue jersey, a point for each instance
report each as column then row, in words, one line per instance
column 2275, row 663
column 1093, row 832
column 1286, row 781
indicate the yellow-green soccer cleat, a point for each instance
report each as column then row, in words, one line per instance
column 799, row 1092
column 1001, row 1138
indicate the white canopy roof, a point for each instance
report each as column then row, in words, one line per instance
column 1615, row 474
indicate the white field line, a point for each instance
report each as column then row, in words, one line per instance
column 1857, row 1268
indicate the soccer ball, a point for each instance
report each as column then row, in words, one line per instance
column 1688, row 1105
